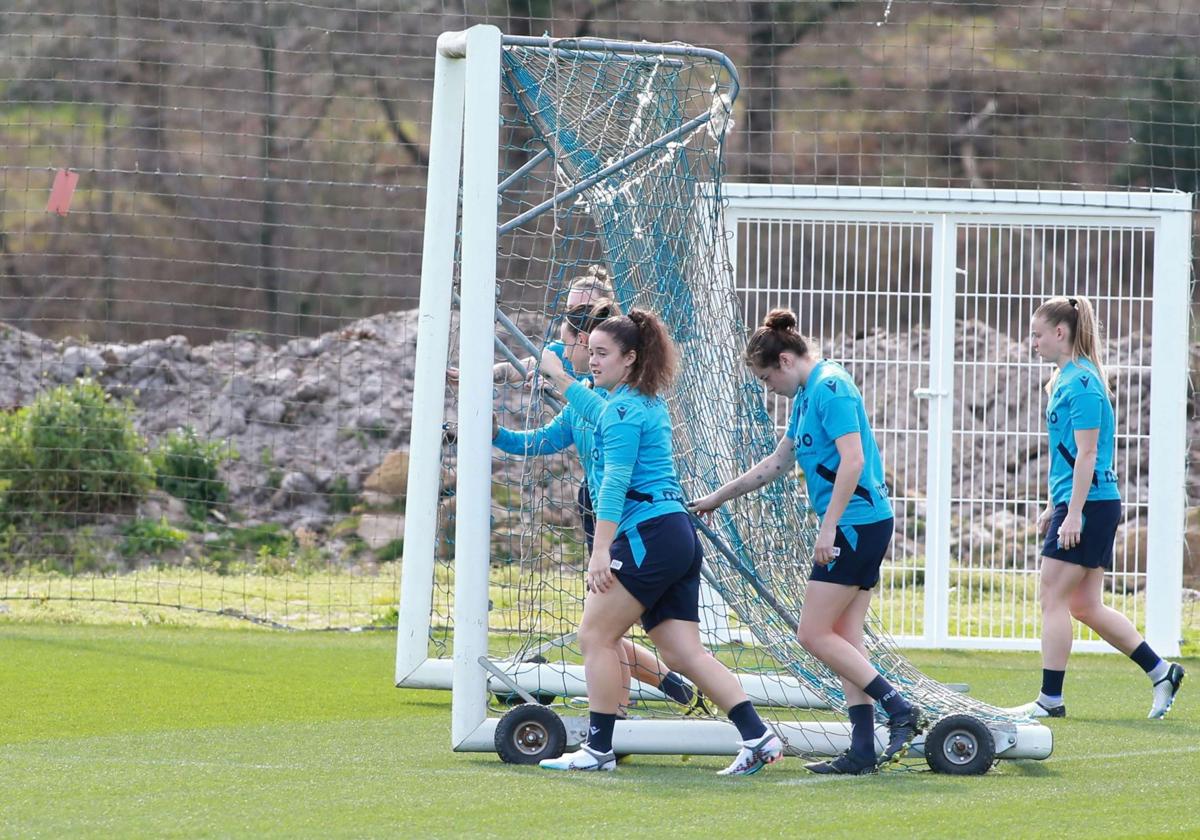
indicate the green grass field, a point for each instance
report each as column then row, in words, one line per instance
column 167, row 731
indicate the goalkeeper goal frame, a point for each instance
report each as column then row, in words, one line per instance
column 467, row 104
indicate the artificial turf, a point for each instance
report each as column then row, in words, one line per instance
column 155, row 731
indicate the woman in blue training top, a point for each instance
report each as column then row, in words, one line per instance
column 646, row 558
column 1080, row 520
column 567, row 429
column 831, row 439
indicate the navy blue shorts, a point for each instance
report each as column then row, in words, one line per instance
column 861, row 551
column 660, row 566
column 1095, row 549
column 587, row 515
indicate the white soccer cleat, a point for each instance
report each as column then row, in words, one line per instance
column 584, row 758
column 755, row 755
column 1037, row 710
column 1165, row 691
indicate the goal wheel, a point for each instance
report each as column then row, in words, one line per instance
column 960, row 745
column 529, row 733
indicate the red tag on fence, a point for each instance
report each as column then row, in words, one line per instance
column 61, row 192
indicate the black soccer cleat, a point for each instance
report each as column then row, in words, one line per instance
column 698, row 707
column 846, row 764
column 902, row 731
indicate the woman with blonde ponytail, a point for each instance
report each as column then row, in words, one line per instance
column 1081, row 517
column 831, row 439
column 1076, row 314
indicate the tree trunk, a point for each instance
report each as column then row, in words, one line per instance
column 269, row 216
column 774, row 29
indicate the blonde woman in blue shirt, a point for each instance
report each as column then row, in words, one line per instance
column 831, row 439
column 1081, row 517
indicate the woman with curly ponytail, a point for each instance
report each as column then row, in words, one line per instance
column 646, row 557
column 568, row 429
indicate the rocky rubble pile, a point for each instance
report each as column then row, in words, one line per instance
column 319, row 421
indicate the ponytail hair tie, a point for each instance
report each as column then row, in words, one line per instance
column 1074, row 303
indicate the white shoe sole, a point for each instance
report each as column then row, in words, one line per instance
column 607, row 767
column 1033, row 710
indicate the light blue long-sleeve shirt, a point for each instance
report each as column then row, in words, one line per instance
column 568, row 428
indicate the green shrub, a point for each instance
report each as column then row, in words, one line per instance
column 1165, row 131
column 234, row 547
column 188, row 467
column 341, row 498
column 74, row 450
column 9, row 544
column 387, row 619
column 148, row 537
column 274, row 475
column 394, row 550
column 296, row 558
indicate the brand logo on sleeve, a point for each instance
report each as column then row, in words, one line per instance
column 621, row 411
column 832, row 385
column 807, row 439
column 1084, row 380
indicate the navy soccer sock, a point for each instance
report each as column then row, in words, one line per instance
column 1145, row 657
column 600, row 731
column 674, row 687
column 1052, row 683
column 862, row 730
column 883, row 693
column 745, row 717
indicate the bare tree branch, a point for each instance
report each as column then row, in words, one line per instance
column 771, row 33
column 964, row 138
column 406, row 141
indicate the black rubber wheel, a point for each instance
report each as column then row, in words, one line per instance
column 960, row 745
column 529, row 733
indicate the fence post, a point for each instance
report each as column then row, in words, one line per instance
column 941, row 428
column 1168, row 431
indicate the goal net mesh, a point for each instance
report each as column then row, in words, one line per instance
column 643, row 136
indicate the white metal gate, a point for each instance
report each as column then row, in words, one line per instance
column 926, row 296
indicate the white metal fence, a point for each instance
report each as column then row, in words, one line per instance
column 926, row 296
